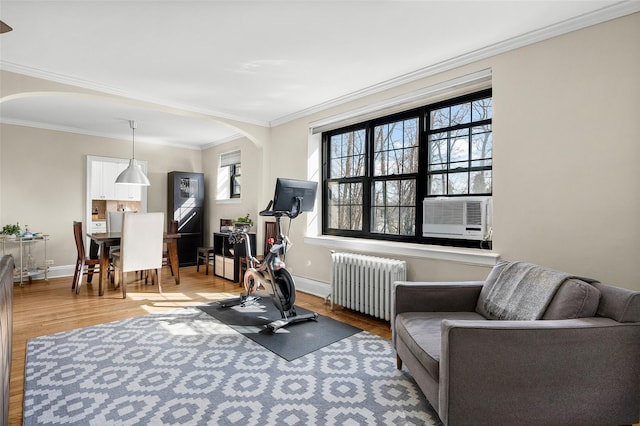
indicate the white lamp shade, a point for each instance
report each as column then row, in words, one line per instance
column 133, row 175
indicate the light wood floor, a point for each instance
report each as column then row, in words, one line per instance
column 45, row 307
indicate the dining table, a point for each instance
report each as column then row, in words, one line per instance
column 104, row 240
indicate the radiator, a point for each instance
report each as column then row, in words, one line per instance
column 363, row 283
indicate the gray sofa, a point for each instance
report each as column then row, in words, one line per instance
column 527, row 346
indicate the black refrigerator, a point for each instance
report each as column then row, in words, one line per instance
column 185, row 203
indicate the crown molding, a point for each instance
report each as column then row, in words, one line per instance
column 607, row 13
column 115, row 91
column 69, row 129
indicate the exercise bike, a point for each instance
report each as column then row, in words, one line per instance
column 269, row 277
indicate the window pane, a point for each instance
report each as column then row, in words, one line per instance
column 459, row 145
column 458, row 183
column 378, row 220
column 408, row 192
column 334, row 215
column 411, row 133
column 438, row 150
column 407, row 221
column 346, row 152
column 436, row 184
column 482, row 109
column 393, row 207
column 396, row 148
column 409, row 160
column 480, row 182
column 393, row 218
column 336, row 168
column 345, row 205
column 481, row 144
column 439, row 118
column 394, row 162
column 460, row 114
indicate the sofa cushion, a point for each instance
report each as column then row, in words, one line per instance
column 574, row 299
column 422, row 333
column 522, row 291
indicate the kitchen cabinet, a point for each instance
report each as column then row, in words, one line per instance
column 103, row 178
column 103, row 183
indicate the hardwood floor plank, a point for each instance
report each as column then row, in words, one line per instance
column 46, row 307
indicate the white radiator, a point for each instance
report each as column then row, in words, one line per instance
column 363, row 283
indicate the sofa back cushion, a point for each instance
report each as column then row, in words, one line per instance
column 574, row 299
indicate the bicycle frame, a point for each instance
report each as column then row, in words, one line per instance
column 271, row 275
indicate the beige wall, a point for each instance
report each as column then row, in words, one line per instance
column 566, row 180
column 252, row 195
column 566, row 146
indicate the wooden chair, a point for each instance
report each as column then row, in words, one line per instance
column 84, row 265
column 140, row 247
column 205, row 255
column 173, row 229
column 270, row 234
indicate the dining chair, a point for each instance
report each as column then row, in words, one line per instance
column 140, row 247
column 84, row 265
column 114, row 221
column 173, row 229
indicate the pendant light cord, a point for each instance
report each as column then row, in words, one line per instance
column 133, row 126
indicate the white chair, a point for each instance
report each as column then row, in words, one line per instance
column 140, row 247
column 114, row 221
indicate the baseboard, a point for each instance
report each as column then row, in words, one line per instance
column 59, row 271
column 316, row 288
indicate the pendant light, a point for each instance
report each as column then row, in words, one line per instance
column 133, row 174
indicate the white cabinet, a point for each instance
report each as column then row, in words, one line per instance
column 103, row 182
column 98, row 226
column 224, row 267
column 103, row 178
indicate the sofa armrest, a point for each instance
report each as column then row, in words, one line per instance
column 414, row 296
column 579, row 371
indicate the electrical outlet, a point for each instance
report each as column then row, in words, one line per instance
column 49, row 262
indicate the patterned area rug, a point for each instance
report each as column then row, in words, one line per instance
column 184, row 367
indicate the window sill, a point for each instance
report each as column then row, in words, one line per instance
column 229, row 201
column 454, row 254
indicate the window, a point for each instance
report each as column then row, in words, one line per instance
column 235, row 178
column 377, row 173
column 460, row 148
column 229, row 178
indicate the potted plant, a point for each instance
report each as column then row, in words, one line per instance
column 244, row 222
column 11, row 231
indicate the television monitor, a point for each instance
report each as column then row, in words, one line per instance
column 289, row 191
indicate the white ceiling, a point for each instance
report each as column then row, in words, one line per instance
column 261, row 62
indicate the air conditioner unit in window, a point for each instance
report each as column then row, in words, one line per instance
column 466, row 218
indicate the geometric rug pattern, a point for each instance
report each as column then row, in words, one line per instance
column 184, row 367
